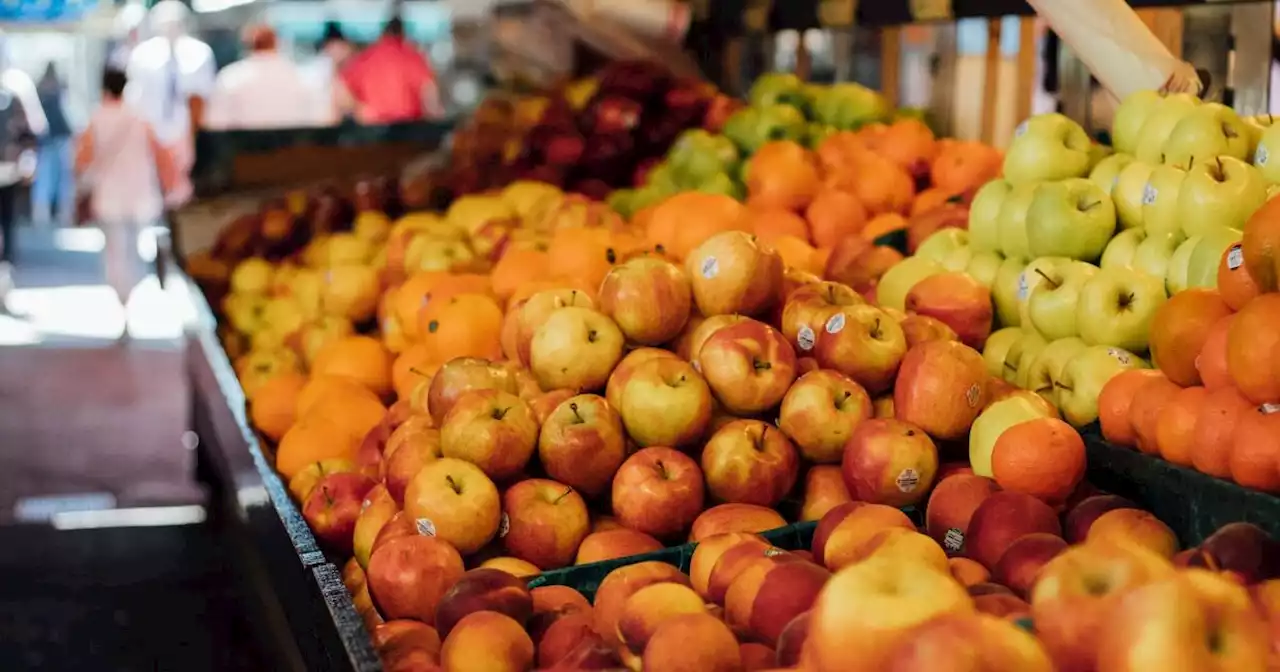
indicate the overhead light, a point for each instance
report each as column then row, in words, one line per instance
column 152, row 516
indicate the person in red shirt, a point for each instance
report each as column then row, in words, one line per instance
column 390, row 81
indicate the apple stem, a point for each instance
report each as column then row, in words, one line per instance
column 1219, row 175
column 1060, row 386
column 328, row 498
column 611, row 256
column 453, row 484
column 843, row 399
column 499, row 413
column 761, row 366
column 591, row 336
column 875, row 329
column 562, row 495
column 760, row 439
column 413, row 369
column 574, row 407
column 1085, row 207
column 662, row 469
column 1053, row 283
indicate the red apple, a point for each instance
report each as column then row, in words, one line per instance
column 333, row 507
column 941, row 388
column 494, row 430
column 749, row 366
column 957, row 300
column 864, row 343
column 582, row 444
column 820, row 412
column 665, row 402
column 808, row 308
column 658, row 491
column 749, row 462
column 648, row 297
column 547, row 521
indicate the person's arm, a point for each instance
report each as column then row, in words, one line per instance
column 428, row 89
column 166, row 169
column 84, row 151
column 24, row 90
column 200, row 87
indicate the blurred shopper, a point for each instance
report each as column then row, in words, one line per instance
column 21, row 122
column 391, row 81
column 126, row 169
column 321, row 73
column 263, row 90
column 126, row 34
column 54, row 183
column 171, row 76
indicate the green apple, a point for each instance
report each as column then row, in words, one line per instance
column 1211, row 130
column 777, row 87
column 1268, row 146
column 1021, row 355
column 1071, row 218
column 1107, row 173
column 1175, row 276
column 957, row 260
column 992, row 422
column 941, row 243
column 1160, row 200
column 1121, row 250
column 1004, row 292
column 1257, row 125
column 1047, row 367
column 984, row 216
column 1083, row 377
column 697, row 156
column 1047, row 147
column 1032, row 276
column 1154, row 252
column 1164, row 115
column 1221, row 192
column 1098, row 153
column 1116, row 308
column 1129, row 118
column 1052, row 304
column 995, row 352
column 722, row 184
column 1130, row 184
column 1013, row 222
column 891, row 292
column 984, row 267
column 1202, row 269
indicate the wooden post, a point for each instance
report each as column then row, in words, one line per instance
column 891, row 64
column 991, row 81
column 1028, row 58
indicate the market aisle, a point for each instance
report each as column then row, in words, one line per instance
column 93, row 447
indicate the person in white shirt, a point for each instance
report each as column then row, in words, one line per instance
column 263, row 90
column 321, row 72
column 22, row 120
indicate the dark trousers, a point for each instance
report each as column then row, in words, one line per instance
column 8, row 219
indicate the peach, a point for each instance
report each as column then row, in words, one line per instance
column 1002, row 519
column 592, row 653
column 707, row 553
column 824, row 489
column 563, row 636
column 487, row 636
column 756, row 657
column 693, row 643
column 765, row 597
column 648, row 608
column 1245, row 550
column 1137, row 526
column 951, row 506
column 732, row 563
column 790, row 646
column 513, row 566
column 889, row 462
column 968, row 572
column 409, row 575
column 1002, row 605
column 550, row 603
column 1020, row 565
column 390, row 629
column 605, row 523
column 963, row 642
column 735, row 518
column 621, row 584
column 484, row 589
column 1080, row 518
column 611, row 544
column 377, row 509
column 897, row 542
column 845, row 528
column 408, row 649
column 952, row 468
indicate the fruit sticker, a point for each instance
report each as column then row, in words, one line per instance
column 1120, row 356
column 805, row 337
column 1260, row 157
column 504, row 525
column 1114, row 181
column 1020, row 130
column 908, row 480
column 1268, row 409
column 1024, row 287
column 1235, row 257
column 365, row 504
column 835, row 325
column 773, row 552
column 1149, row 194
column 953, row 540
column 710, row 267
column 425, row 527
column 973, row 396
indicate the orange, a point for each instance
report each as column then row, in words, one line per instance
column 771, row 223
column 1253, row 349
column 1179, row 329
column 1235, row 284
column 312, row 439
column 1176, row 425
column 797, row 254
column 410, row 295
column 880, row 184
column 782, row 174
column 1044, row 458
column 517, row 267
column 1260, row 246
column 467, row 325
column 1114, row 401
column 838, row 150
column 361, row 358
column 1216, row 421
column 1255, row 449
column 833, row 215
column 320, row 386
column 640, row 218
column 1212, row 361
column 410, row 367
column 961, row 166
column 274, row 405
column 930, row 199
column 683, row 221
column 582, row 254
column 1144, row 411
column 884, row 224
column 422, row 288
column 909, row 143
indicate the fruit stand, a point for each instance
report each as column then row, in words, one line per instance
column 771, row 355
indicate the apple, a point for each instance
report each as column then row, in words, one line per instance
column 1051, row 306
column 958, row 301
column 1116, row 308
column 1022, row 354
column 1004, row 292
column 458, row 376
column 1202, row 268
column 534, row 312
column 941, row 388
column 1032, row 276
column 890, row 462
column 455, row 501
column 1219, row 192
column 995, row 354
column 984, row 214
column 749, row 462
column 1268, row 144
column 665, row 402
column 992, row 422
column 494, row 430
column 1160, row 200
column 1131, row 114
column 864, row 343
column 546, row 520
column 749, row 366
column 582, row 444
column 1047, row 367
column 1047, row 147
column 1159, row 123
column 1210, row 131
column 892, row 289
column 1106, row 174
column 984, row 267
column 658, row 491
column 1128, row 191
column 1073, row 218
column 1123, row 248
column 1153, row 254
column 649, row 298
column 809, row 307
column 920, row 328
column 1084, row 375
column 821, row 411
column 576, row 349
column 622, row 373
column 1013, row 222
column 1175, row 275
column 731, row 272
column 942, row 242
column 334, row 505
